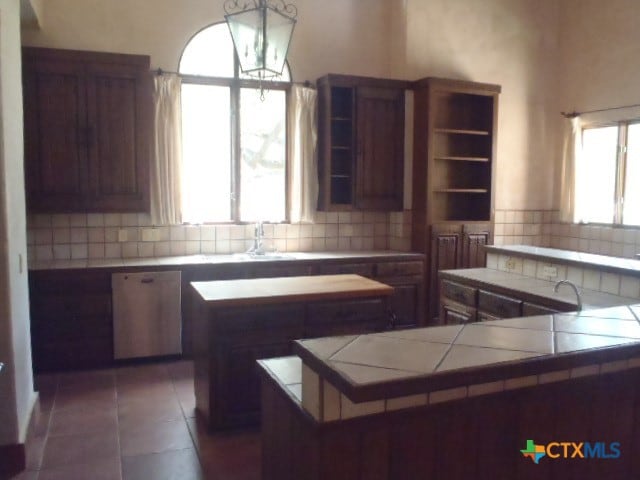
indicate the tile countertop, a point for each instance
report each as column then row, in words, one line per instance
column 623, row 266
column 534, row 289
column 518, row 351
column 204, row 259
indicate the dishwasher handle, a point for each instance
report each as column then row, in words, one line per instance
column 146, row 280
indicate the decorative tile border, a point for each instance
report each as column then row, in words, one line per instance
column 326, row 404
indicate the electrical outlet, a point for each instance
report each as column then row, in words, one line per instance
column 122, row 235
column 510, row 263
column 551, row 272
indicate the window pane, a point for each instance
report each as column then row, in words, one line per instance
column 209, row 53
column 206, row 146
column 263, row 153
column 631, row 209
column 597, row 174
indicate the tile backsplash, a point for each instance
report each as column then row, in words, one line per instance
column 542, row 228
column 130, row 235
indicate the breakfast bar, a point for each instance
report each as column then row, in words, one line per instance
column 409, row 403
column 237, row 322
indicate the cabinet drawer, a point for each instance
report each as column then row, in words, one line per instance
column 499, row 305
column 454, row 313
column 460, row 293
column 342, row 318
column 64, row 281
column 363, row 269
column 530, row 309
column 53, row 307
column 272, row 271
column 246, row 321
column 399, row 269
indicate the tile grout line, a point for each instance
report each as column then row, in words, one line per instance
column 435, row 369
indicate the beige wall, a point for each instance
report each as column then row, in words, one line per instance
column 497, row 41
column 507, row 42
column 601, row 48
column 16, row 381
column 331, row 35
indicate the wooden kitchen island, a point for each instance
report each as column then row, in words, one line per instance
column 237, row 322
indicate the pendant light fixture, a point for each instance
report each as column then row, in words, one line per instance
column 261, row 31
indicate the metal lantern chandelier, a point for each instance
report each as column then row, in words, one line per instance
column 261, row 31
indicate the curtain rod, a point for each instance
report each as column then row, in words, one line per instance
column 576, row 114
column 160, row 71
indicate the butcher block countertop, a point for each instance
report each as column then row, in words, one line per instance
column 268, row 291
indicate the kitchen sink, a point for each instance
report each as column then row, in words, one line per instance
column 265, row 256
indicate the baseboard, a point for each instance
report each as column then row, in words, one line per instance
column 13, row 460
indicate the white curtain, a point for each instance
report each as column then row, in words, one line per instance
column 166, row 184
column 569, row 181
column 303, row 171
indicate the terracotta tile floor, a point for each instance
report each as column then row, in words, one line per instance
column 130, row 423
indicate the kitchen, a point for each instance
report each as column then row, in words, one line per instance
column 539, row 53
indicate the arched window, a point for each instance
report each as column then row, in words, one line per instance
column 234, row 142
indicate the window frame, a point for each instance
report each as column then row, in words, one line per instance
column 236, row 84
column 621, row 169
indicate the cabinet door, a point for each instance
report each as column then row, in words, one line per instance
column 404, row 304
column 380, row 148
column 118, row 112
column 445, row 255
column 87, row 131
column 241, row 402
column 55, row 135
column 473, row 242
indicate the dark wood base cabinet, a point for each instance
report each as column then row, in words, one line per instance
column 71, row 311
column 71, row 319
column 476, row 438
column 228, row 342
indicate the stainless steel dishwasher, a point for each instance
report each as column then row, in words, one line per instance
column 147, row 319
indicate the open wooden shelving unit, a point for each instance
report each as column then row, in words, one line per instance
column 455, row 124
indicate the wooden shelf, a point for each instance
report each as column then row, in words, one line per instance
column 462, row 159
column 461, row 190
column 461, row 132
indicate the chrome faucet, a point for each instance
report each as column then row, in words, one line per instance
column 258, row 246
column 575, row 289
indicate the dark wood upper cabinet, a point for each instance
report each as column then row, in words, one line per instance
column 361, row 143
column 380, row 148
column 87, row 131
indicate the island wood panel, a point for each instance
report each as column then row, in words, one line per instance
column 479, row 437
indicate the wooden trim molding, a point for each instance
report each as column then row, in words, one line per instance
column 13, row 460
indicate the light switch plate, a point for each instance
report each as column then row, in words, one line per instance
column 511, row 264
column 551, row 272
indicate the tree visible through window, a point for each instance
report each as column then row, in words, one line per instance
column 609, row 174
column 234, row 144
